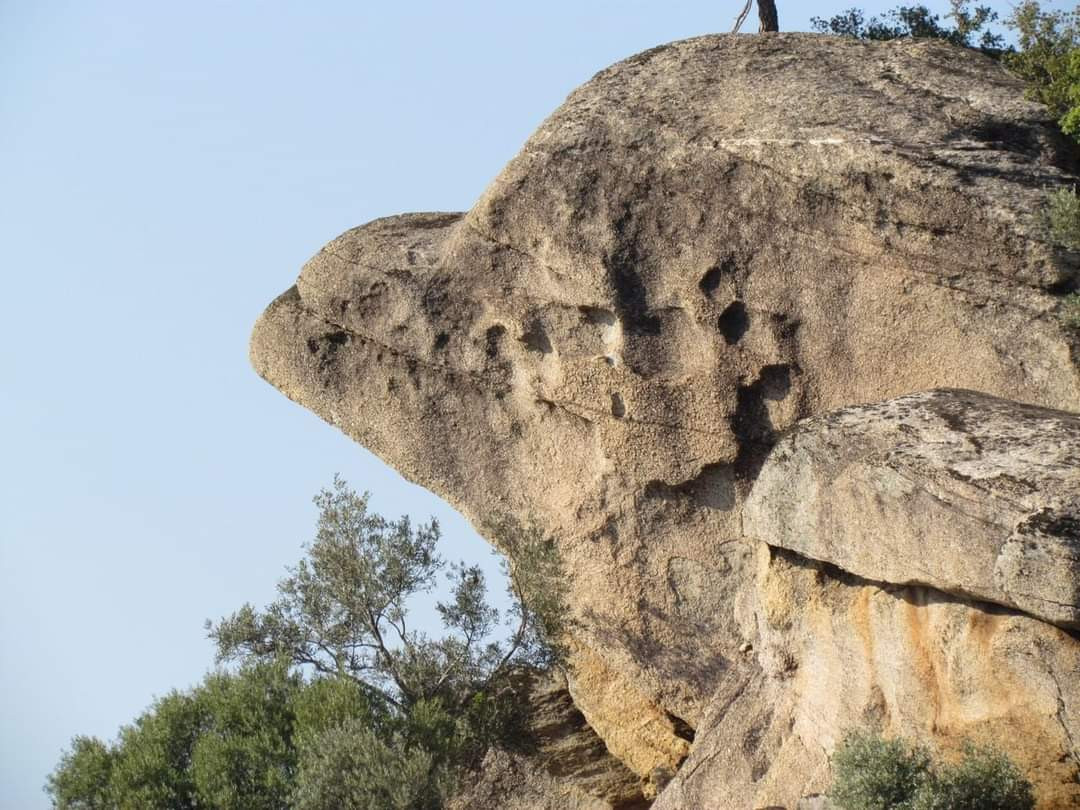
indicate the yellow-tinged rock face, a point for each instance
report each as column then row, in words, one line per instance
column 704, row 244
column 635, row 728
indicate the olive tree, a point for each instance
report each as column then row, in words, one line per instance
column 343, row 610
column 390, row 715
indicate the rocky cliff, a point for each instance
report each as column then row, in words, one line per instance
column 706, row 245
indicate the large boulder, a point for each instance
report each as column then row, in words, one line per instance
column 704, row 244
column 968, row 493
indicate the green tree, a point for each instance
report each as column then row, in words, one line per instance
column 351, row 767
column 438, row 701
column 244, row 757
column 82, row 780
column 985, row 779
column 343, row 610
column 338, row 701
column 1049, row 59
column 326, row 703
column 231, row 743
column 152, row 768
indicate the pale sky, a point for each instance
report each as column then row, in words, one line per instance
column 165, row 170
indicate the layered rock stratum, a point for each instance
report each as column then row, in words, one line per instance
column 706, row 244
column 559, row 764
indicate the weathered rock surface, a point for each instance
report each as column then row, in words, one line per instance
column 565, row 767
column 971, row 494
column 704, row 244
column 839, row 653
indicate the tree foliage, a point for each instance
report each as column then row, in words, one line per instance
column 970, row 26
column 1048, row 57
column 985, row 779
column 1063, row 218
column 872, row 773
column 339, row 702
column 231, row 743
column 343, row 611
column 351, row 767
column 83, row 778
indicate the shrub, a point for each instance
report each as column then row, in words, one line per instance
column 339, row 703
column 1070, row 312
column 352, row 768
column 1063, row 218
column 872, row 773
column 82, row 779
column 984, row 779
column 1049, row 59
column 971, row 29
column 230, row 743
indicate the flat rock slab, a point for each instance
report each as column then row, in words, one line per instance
column 965, row 492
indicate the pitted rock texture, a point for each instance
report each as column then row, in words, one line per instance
column 563, row 765
column 968, row 493
column 705, row 243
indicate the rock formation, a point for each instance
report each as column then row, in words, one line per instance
column 967, row 493
column 563, row 765
column 705, row 244
column 883, row 529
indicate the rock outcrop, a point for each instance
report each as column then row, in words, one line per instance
column 562, row 764
column 970, row 494
column 838, row 653
column 705, row 244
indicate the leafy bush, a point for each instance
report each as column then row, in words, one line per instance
column 1070, row 312
column 339, row 702
column 1049, row 59
column 82, row 780
column 984, row 779
column 244, row 757
column 1063, row 224
column 1063, row 218
column 350, row 767
column 231, row 743
column 872, row 773
column 152, row 760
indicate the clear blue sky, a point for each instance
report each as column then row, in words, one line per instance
column 165, row 169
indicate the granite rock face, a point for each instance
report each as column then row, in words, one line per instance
column 837, row 653
column 706, row 243
column 968, row 493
